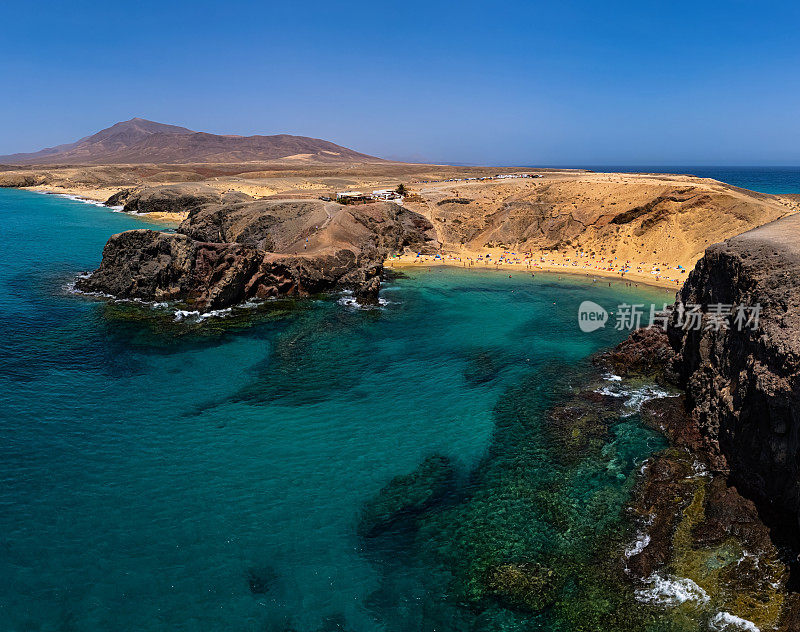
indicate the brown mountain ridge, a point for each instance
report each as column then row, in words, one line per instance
column 139, row 141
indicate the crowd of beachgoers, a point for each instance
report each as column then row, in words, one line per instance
column 661, row 274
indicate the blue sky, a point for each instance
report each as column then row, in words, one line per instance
column 551, row 83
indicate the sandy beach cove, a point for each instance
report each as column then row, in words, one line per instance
column 668, row 276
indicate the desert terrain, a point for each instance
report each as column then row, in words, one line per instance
column 648, row 228
column 643, row 227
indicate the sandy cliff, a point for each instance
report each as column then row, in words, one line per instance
column 648, row 223
column 649, row 228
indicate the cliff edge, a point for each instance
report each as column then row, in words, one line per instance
column 743, row 383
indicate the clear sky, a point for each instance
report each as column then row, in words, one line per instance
column 526, row 83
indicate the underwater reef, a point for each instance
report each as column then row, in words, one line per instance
column 596, row 507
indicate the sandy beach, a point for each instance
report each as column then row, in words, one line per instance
column 577, row 263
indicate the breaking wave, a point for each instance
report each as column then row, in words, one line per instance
column 348, row 300
column 727, row 622
column 671, row 591
column 636, row 397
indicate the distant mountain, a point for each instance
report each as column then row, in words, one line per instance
column 141, row 141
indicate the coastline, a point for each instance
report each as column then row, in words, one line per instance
column 643, row 556
column 531, row 266
column 90, row 196
column 639, row 228
column 98, row 196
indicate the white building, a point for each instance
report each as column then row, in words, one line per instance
column 349, row 194
column 387, row 194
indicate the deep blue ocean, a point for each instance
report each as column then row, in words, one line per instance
column 764, row 179
column 181, row 475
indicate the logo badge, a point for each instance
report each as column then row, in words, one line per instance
column 591, row 316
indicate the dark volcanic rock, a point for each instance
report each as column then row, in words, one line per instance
column 149, row 265
column 646, row 352
column 704, row 507
column 660, row 498
column 119, row 198
column 744, row 386
column 236, row 248
column 699, row 527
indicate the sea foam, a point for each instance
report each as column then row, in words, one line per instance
column 348, row 300
column 671, row 591
column 636, row 397
column 727, row 622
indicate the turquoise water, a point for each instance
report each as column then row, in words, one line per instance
column 764, row 179
column 202, row 476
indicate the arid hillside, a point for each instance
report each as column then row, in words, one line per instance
column 139, row 141
column 642, row 218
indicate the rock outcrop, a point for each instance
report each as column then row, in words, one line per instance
column 693, row 525
column 743, row 383
column 18, row 179
column 171, row 198
column 232, row 248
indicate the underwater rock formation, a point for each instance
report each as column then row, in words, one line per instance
column 525, row 586
column 407, row 496
column 532, row 537
column 564, row 525
column 261, row 580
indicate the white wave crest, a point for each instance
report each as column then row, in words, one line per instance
column 77, row 198
column 636, row 398
column 727, row 622
column 348, row 300
column 671, row 591
column 198, row 316
column 699, row 470
column 638, row 545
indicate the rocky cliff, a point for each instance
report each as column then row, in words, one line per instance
column 232, row 248
column 743, row 383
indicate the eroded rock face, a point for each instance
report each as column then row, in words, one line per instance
column 14, row 179
column 693, row 525
column 233, row 248
column 168, row 198
column 645, row 352
column 744, row 386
